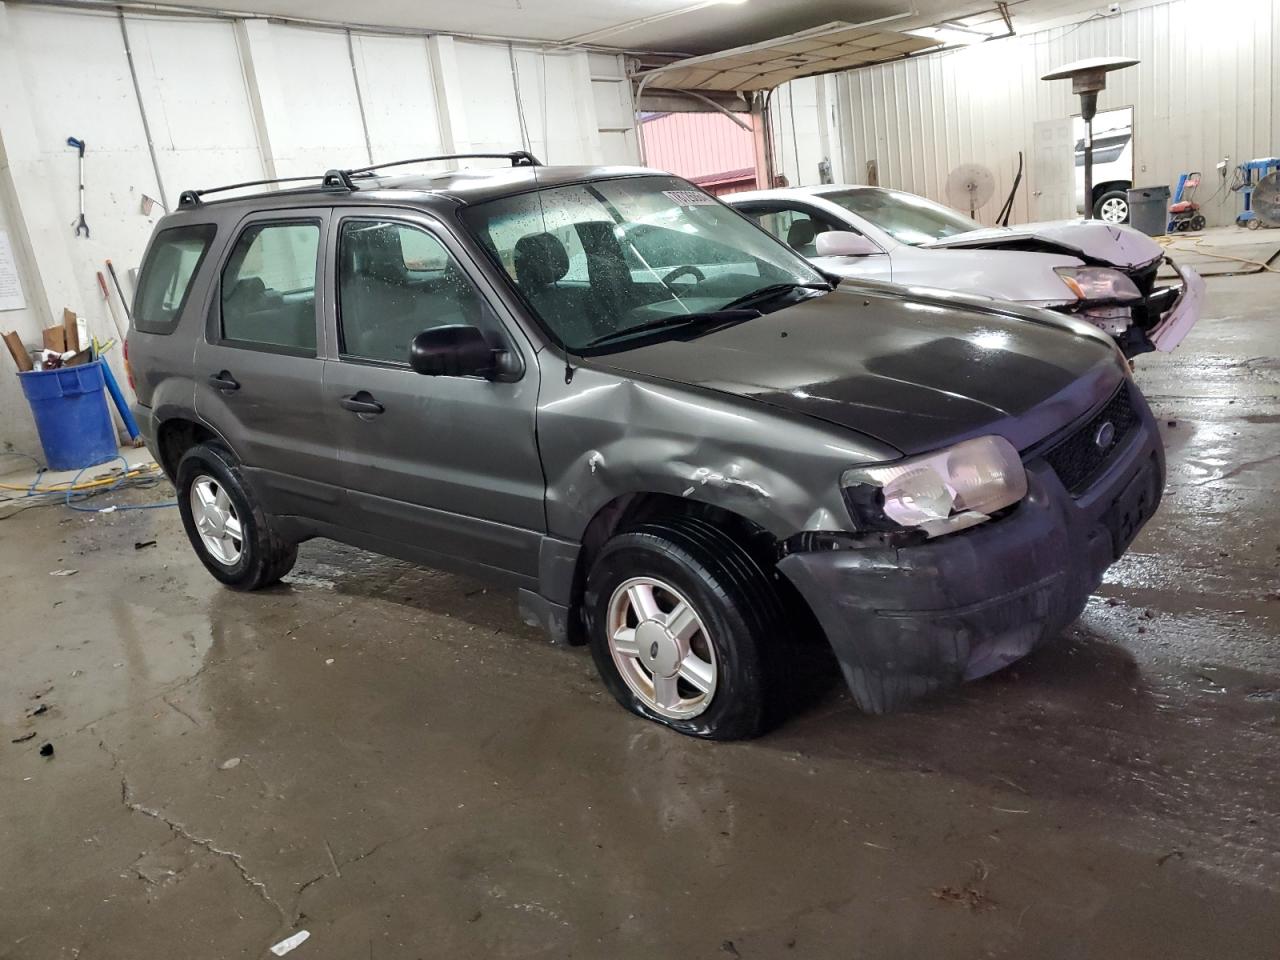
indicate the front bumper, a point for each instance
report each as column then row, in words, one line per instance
column 907, row 621
column 1178, row 321
column 1159, row 321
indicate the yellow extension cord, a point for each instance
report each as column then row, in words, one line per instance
column 1169, row 241
column 63, row 486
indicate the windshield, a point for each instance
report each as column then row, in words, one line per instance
column 594, row 260
column 904, row 216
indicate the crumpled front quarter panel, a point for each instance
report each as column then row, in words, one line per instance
column 605, row 435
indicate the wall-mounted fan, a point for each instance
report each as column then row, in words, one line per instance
column 970, row 186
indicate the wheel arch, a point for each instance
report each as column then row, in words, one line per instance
column 178, row 434
column 1101, row 189
column 629, row 509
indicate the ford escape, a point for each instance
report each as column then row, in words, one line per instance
column 672, row 435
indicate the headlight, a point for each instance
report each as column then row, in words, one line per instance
column 1098, row 283
column 938, row 493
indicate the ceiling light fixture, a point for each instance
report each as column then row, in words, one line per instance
column 951, row 34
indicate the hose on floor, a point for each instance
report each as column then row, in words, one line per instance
column 71, row 493
column 1169, row 242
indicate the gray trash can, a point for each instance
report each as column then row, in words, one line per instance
column 1149, row 210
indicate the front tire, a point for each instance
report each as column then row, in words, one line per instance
column 1112, row 207
column 226, row 525
column 687, row 630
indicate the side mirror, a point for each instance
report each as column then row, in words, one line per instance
column 844, row 243
column 458, row 350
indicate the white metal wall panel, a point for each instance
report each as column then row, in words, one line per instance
column 559, row 110
column 321, row 126
column 615, row 110
column 219, row 95
column 1206, row 87
column 192, row 85
column 77, row 79
column 489, row 97
column 399, row 96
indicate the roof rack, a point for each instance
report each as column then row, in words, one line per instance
column 345, row 179
column 518, row 158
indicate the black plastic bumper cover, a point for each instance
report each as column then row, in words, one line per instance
column 906, row 621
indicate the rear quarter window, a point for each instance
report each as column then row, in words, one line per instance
column 171, row 265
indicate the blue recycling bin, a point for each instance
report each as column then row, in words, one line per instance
column 71, row 414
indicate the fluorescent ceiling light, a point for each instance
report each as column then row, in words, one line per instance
column 950, row 34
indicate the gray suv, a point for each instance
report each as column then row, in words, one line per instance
column 676, row 439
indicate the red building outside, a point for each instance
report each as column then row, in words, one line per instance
column 708, row 149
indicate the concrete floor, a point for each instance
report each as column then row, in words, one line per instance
column 420, row 775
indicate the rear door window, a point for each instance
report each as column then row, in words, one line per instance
column 269, row 288
column 172, row 263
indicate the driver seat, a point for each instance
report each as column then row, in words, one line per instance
column 801, row 237
column 541, row 262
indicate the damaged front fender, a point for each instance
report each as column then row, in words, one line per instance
column 603, row 436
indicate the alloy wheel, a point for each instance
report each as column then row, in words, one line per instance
column 1114, row 210
column 661, row 648
column 216, row 520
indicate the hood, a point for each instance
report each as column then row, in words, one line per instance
column 1016, row 275
column 913, row 372
column 1096, row 241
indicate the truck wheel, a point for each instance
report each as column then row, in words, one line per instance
column 225, row 524
column 1113, row 207
column 687, row 629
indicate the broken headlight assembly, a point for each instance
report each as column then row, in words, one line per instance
column 938, row 493
column 1098, row 283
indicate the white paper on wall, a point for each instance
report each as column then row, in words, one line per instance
column 11, row 297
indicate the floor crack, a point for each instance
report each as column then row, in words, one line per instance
column 339, row 864
column 130, row 802
column 179, row 709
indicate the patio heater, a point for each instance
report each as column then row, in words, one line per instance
column 1088, row 79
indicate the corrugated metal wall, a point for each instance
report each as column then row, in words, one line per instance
column 696, row 145
column 1206, row 87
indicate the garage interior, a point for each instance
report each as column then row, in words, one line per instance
column 388, row 759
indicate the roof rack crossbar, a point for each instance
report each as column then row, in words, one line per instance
column 331, row 179
column 343, row 179
column 518, row 158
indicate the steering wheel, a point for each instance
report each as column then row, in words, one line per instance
column 688, row 268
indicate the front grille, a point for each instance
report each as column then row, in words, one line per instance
column 1078, row 459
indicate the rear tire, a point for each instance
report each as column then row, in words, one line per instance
column 731, row 676
column 242, row 550
column 1112, row 207
column 1197, row 223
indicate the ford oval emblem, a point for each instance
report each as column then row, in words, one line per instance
column 1105, row 435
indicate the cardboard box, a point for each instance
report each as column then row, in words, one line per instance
column 18, row 351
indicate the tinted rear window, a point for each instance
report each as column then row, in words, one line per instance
column 174, row 258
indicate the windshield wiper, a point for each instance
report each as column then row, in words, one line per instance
column 708, row 318
column 770, row 291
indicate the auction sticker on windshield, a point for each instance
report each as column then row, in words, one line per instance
column 689, row 198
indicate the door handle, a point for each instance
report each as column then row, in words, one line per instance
column 224, row 381
column 362, row 402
